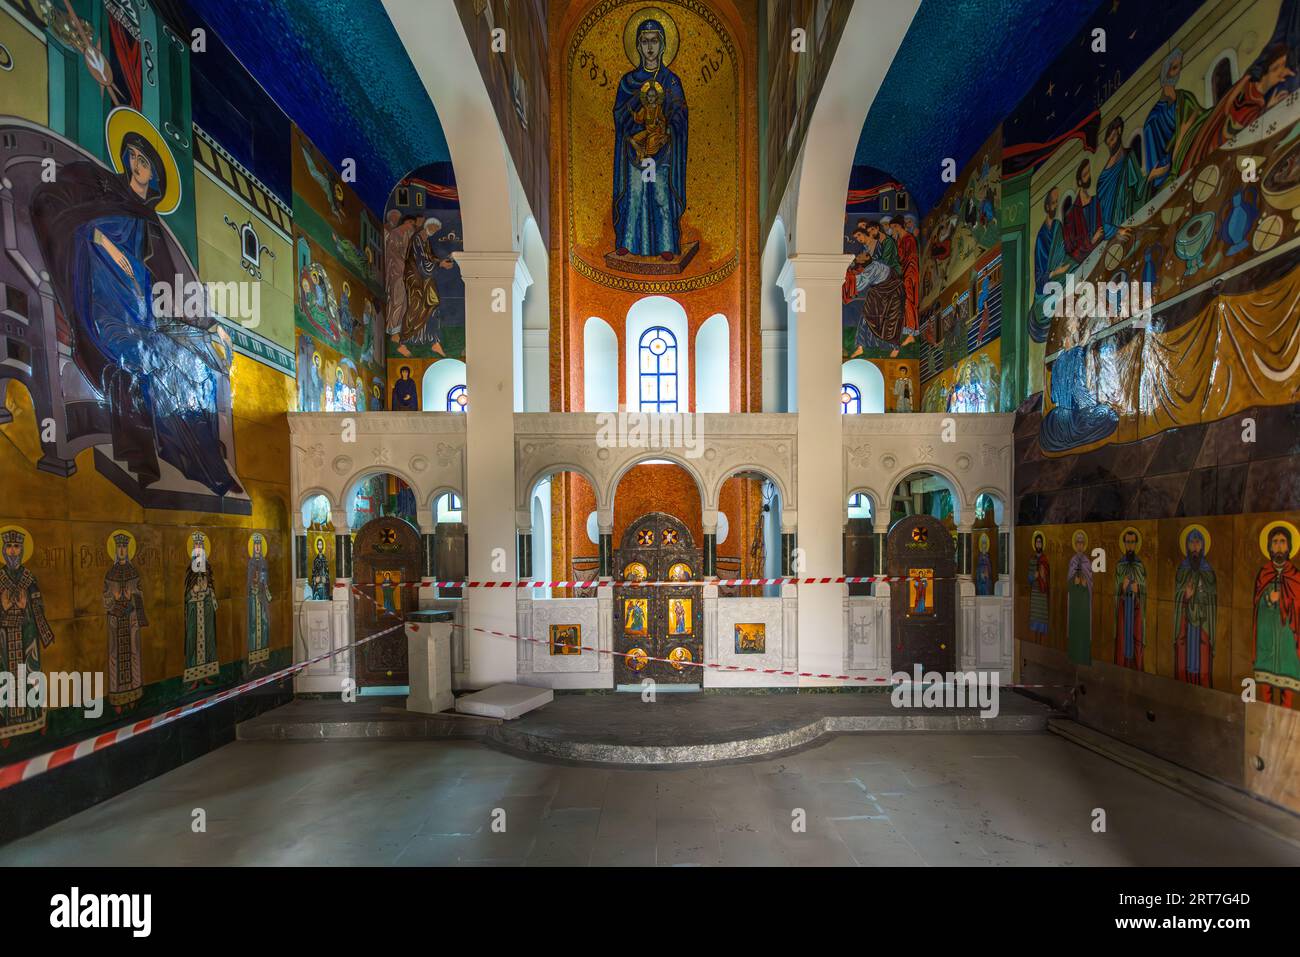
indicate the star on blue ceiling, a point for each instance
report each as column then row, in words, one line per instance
column 962, row 67
column 338, row 69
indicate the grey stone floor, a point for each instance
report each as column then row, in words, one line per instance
column 873, row 799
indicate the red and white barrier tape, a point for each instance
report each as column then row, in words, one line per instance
column 31, row 767
column 693, row 583
column 710, row 665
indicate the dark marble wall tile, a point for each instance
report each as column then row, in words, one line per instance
column 1025, row 477
column 1178, row 450
column 1277, row 431
column 1160, row 495
column 1030, row 509
column 1107, row 502
column 1064, row 507
column 1231, row 493
column 1272, row 485
column 1200, row 493
column 1223, row 445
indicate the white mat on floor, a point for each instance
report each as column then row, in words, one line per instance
column 504, row 701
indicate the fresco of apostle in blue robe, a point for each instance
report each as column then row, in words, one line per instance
column 157, row 371
column 649, row 124
column 259, row 602
column 405, row 398
column 1050, row 264
column 1195, row 612
column 1077, row 417
column 1121, row 185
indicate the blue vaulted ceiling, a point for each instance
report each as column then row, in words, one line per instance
column 339, row 70
column 963, row 66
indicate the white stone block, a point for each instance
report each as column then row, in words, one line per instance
column 504, row 701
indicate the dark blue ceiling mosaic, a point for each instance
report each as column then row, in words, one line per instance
column 338, row 69
column 963, row 66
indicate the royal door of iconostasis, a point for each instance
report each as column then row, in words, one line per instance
column 657, row 621
column 387, row 565
column 920, row 558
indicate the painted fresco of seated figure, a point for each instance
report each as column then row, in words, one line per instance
column 1077, row 417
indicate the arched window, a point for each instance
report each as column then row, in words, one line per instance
column 657, row 378
column 251, row 244
column 1221, row 79
column 458, row 399
column 850, row 399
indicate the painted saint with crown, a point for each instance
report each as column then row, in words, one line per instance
column 24, row 630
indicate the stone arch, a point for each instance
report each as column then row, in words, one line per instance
column 961, row 505
column 767, row 472
column 654, row 455
column 1001, row 517
column 524, row 491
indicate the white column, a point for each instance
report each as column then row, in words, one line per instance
column 811, row 283
column 494, row 292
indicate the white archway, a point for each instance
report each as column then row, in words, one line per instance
column 774, row 327
column 813, row 207
column 541, row 536
column 870, row 383
column 439, row 379
column 599, row 366
column 713, row 365
column 644, row 315
column 535, row 350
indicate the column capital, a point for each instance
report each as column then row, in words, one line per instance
column 494, row 266
column 812, row 267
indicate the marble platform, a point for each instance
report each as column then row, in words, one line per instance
column 621, row 730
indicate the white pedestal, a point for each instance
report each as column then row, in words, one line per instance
column 428, row 641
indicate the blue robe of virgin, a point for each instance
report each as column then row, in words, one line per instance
column 158, row 374
column 647, row 215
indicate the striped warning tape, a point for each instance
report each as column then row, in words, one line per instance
column 703, row 665
column 636, row 583
column 31, row 767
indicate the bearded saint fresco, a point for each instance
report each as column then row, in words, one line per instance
column 1276, row 617
column 104, row 246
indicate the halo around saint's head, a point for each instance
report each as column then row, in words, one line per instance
column 113, row 542
column 633, row 29
column 1270, row 528
column 28, row 544
column 123, row 121
column 1202, row 531
column 257, row 538
column 1076, row 535
column 1137, row 548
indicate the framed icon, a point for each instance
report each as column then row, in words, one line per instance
column 566, row 639
column 751, row 638
column 679, row 617
column 636, row 616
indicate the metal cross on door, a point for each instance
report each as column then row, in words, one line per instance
column 657, row 621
